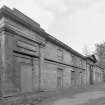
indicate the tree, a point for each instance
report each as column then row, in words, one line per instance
column 86, row 50
column 100, row 52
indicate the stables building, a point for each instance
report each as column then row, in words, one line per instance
column 31, row 60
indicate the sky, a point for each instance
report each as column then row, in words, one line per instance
column 78, row 23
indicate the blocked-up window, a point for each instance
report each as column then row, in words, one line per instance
column 60, row 54
column 74, row 60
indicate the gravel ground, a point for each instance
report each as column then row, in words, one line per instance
column 92, row 95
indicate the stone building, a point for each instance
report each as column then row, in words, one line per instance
column 31, row 60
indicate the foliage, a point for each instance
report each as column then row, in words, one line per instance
column 100, row 52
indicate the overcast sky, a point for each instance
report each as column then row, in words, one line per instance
column 78, row 23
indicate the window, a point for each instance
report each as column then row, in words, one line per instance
column 60, row 54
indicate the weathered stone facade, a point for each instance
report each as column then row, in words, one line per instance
column 32, row 61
